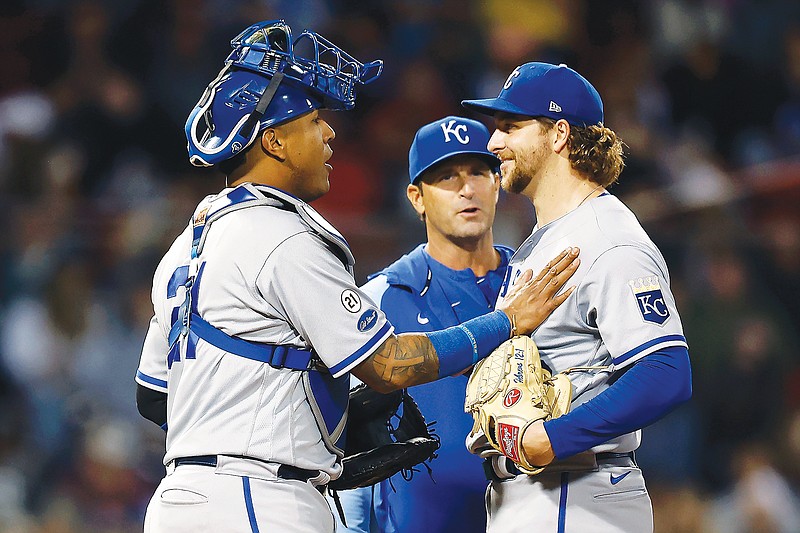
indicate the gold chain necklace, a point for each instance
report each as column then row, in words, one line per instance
column 587, row 196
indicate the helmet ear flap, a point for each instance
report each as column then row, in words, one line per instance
column 234, row 109
column 205, row 129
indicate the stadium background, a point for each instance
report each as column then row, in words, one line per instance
column 95, row 183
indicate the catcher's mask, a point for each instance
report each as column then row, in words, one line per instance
column 269, row 78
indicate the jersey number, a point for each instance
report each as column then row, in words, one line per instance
column 182, row 313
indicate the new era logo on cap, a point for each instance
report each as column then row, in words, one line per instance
column 545, row 90
column 446, row 138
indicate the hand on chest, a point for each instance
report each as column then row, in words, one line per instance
column 536, row 259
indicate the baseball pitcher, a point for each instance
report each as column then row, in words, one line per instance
column 558, row 419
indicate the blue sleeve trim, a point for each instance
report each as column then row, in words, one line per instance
column 651, row 388
column 152, row 381
column 678, row 340
column 378, row 338
column 461, row 346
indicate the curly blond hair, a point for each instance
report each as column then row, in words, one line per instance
column 595, row 151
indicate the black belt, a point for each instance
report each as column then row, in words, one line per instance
column 601, row 458
column 606, row 456
column 284, row 471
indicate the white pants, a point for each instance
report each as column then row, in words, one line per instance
column 235, row 496
column 612, row 499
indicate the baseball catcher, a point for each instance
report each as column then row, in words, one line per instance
column 510, row 390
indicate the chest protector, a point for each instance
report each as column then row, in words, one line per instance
column 327, row 396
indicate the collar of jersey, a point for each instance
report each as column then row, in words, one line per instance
column 411, row 270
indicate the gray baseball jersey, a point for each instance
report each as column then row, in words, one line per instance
column 621, row 310
column 266, row 275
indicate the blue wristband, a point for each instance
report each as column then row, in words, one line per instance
column 460, row 347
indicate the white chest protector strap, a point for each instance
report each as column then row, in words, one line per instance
column 328, row 396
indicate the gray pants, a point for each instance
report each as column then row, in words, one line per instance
column 236, row 496
column 612, row 498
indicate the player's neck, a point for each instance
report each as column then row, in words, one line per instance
column 478, row 255
column 555, row 198
column 264, row 171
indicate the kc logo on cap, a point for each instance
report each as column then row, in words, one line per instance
column 446, row 138
column 456, row 129
column 510, row 78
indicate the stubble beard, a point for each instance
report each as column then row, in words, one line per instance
column 518, row 179
column 525, row 168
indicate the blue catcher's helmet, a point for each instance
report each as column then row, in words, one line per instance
column 268, row 79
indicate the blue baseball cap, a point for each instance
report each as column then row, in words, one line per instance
column 545, row 90
column 446, row 138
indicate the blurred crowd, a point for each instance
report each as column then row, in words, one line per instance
column 95, row 184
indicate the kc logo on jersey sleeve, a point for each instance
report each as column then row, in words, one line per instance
column 650, row 299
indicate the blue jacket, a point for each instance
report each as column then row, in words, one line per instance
column 419, row 294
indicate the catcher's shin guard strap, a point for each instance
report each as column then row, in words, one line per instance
column 460, row 347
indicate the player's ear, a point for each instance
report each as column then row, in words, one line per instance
column 274, row 143
column 561, row 130
column 414, row 195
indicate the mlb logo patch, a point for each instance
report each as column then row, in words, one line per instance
column 650, row 299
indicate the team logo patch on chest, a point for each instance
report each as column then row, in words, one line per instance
column 650, row 299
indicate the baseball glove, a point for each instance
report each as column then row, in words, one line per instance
column 386, row 434
column 508, row 391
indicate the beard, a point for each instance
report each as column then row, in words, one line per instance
column 516, row 181
column 526, row 166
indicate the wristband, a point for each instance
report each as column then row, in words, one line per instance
column 459, row 347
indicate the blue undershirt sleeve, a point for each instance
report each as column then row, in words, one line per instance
column 647, row 391
column 461, row 346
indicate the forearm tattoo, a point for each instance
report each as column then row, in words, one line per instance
column 404, row 360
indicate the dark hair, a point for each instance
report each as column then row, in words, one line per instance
column 595, row 151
